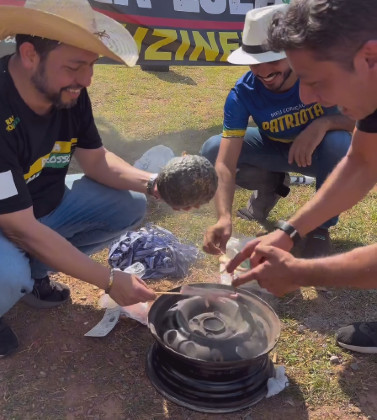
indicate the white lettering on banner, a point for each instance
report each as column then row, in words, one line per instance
column 190, row 6
column 264, row 3
column 143, row 4
column 212, row 7
column 238, row 8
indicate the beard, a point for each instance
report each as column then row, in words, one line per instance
column 285, row 76
column 40, row 82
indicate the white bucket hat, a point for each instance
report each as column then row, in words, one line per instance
column 253, row 49
column 71, row 22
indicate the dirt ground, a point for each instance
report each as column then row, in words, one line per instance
column 60, row 374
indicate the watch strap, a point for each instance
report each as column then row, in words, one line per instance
column 150, row 185
column 290, row 230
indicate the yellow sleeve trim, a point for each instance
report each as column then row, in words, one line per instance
column 280, row 140
column 234, row 133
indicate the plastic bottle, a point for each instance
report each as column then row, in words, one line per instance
column 234, row 246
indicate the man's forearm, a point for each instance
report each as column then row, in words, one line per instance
column 225, row 192
column 109, row 169
column 226, row 167
column 63, row 256
column 354, row 269
column 56, row 252
column 337, row 122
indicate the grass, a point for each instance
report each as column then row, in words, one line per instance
column 145, row 104
column 147, row 108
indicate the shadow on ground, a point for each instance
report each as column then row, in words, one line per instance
column 173, row 77
column 358, row 380
column 324, row 310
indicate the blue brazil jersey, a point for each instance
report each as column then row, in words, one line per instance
column 279, row 116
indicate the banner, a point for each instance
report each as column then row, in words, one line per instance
column 176, row 32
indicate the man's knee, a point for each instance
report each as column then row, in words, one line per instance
column 254, row 178
column 210, row 148
column 15, row 281
column 130, row 209
column 334, row 146
column 140, row 205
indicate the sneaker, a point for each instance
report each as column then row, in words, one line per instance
column 316, row 243
column 360, row 337
column 47, row 294
column 8, row 340
column 268, row 187
column 246, row 214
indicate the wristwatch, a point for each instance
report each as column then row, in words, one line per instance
column 150, row 185
column 289, row 230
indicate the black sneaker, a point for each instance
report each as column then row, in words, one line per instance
column 8, row 340
column 246, row 214
column 316, row 243
column 47, row 294
column 360, row 337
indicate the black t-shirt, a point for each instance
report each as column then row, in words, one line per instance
column 368, row 124
column 36, row 150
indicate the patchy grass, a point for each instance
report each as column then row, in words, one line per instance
column 59, row 374
column 309, row 317
column 145, row 104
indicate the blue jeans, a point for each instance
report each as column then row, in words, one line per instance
column 269, row 155
column 90, row 217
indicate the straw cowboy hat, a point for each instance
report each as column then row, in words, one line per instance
column 71, row 22
column 253, row 49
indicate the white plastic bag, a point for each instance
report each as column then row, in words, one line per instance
column 161, row 253
column 154, row 159
column 138, row 311
column 105, row 300
column 277, row 383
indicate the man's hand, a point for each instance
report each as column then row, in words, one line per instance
column 216, row 238
column 276, row 272
column 305, row 143
column 250, row 251
column 129, row 289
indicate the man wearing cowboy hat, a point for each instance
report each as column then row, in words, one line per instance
column 332, row 45
column 289, row 137
column 45, row 116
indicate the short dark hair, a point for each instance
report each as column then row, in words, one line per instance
column 332, row 29
column 43, row 46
